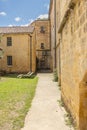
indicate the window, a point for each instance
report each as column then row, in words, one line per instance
column 9, row 41
column 42, row 29
column 42, row 45
column 9, row 60
column 44, row 53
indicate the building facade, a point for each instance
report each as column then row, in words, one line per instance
column 53, row 32
column 43, row 47
column 54, row 13
column 18, row 44
column 71, row 56
column 57, row 43
column 26, row 48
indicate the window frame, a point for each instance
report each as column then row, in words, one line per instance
column 9, row 60
column 42, row 46
column 9, row 41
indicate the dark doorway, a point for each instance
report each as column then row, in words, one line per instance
column 43, row 60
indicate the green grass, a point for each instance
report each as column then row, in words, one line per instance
column 15, row 100
column 61, row 103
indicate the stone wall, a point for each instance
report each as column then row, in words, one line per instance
column 58, row 41
column 52, row 24
column 71, row 55
column 33, row 52
column 74, row 63
column 42, row 36
column 20, row 52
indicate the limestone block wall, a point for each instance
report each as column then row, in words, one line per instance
column 20, row 52
column 52, row 24
column 42, row 37
column 58, row 40
column 33, row 52
column 74, row 63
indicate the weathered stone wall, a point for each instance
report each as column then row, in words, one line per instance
column 33, row 52
column 52, row 24
column 42, row 37
column 20, row 52
column 58, row 51
column 74, row 63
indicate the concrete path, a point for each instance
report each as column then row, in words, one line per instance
column 45, row 113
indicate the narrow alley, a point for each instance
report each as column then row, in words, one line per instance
column 45, row 112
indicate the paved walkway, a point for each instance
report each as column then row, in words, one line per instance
column 45, row 113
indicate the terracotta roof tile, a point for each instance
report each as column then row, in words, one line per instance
column 16, row 29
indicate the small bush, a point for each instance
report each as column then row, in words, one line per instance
column 55, row 75
column 68, row 119
column 61, row 103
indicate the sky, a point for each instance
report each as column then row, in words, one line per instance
column 22, row 12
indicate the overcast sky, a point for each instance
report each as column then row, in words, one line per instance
column 22, row 12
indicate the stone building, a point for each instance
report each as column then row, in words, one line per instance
column 26, row 48
column 18, row 44
column 55, row 36
column 70, row 22
column 53, row 29
column 42, row 41
column 65, row 49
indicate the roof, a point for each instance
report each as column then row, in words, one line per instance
column 39, row 20
column 16, row 29
column 44, row 19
